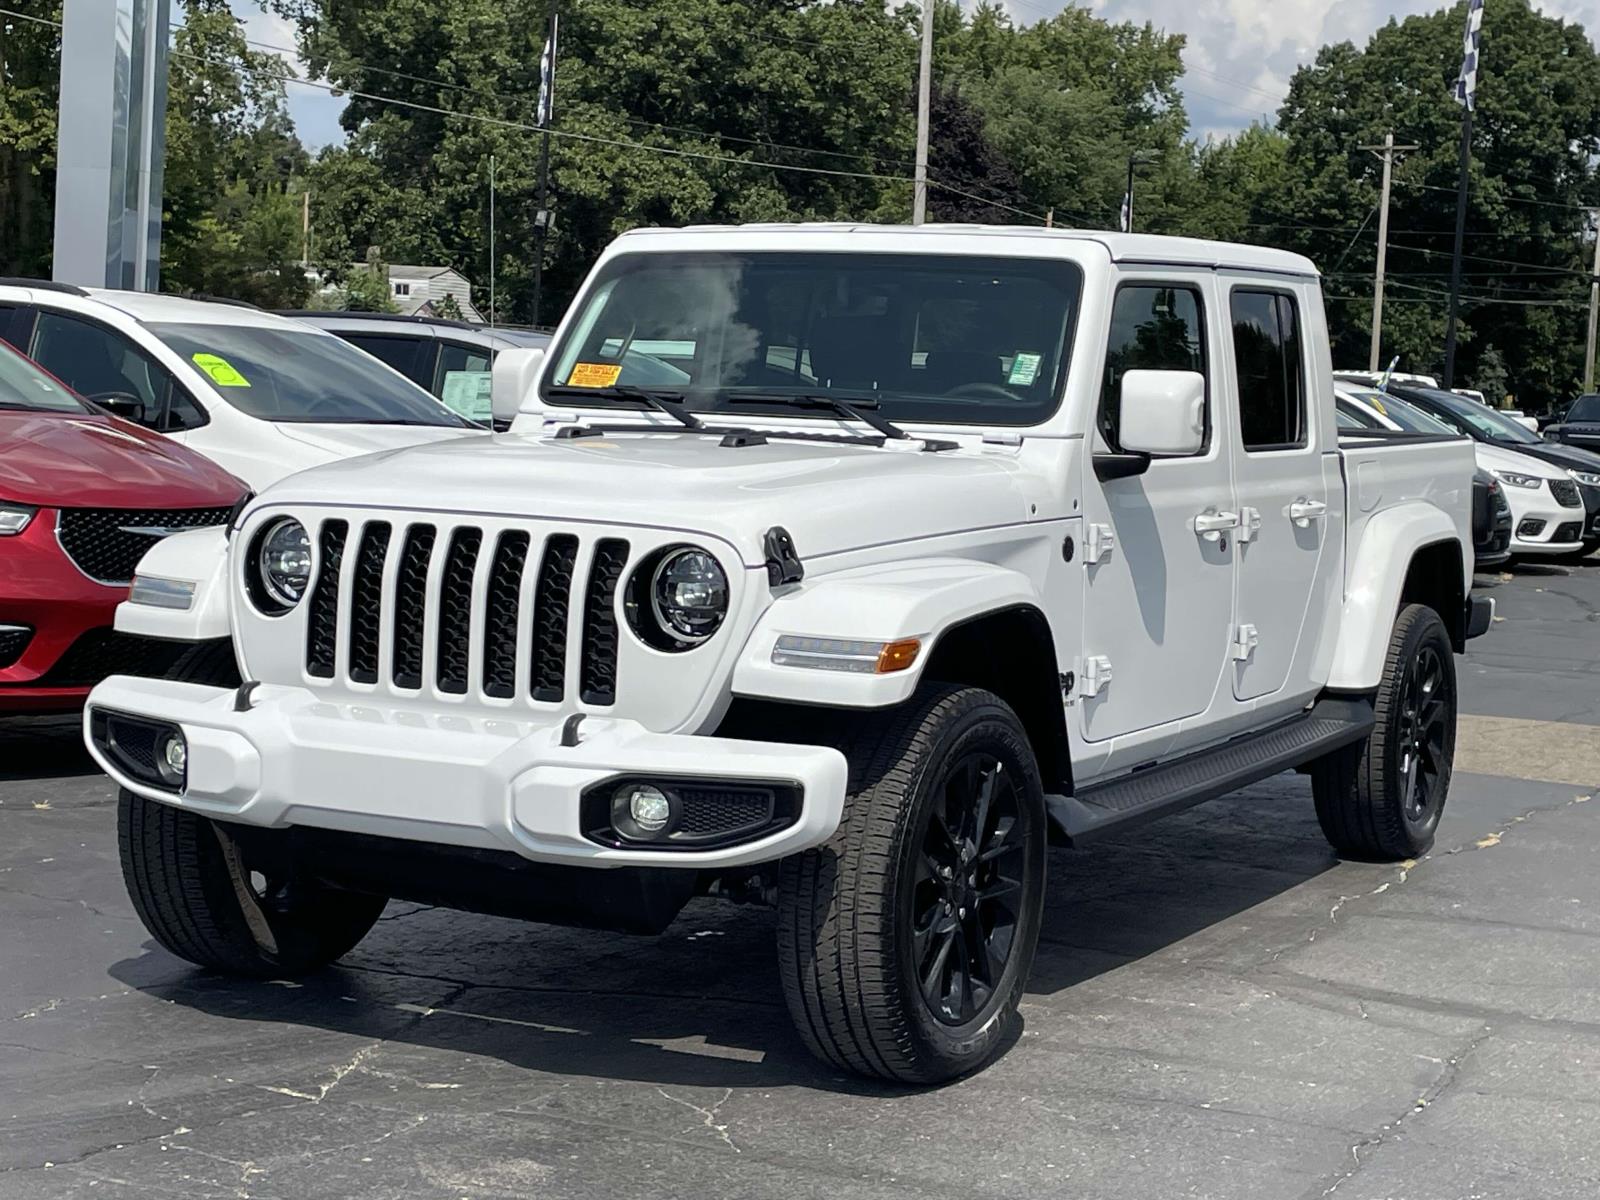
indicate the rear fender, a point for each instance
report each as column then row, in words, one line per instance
column 917, row 598
column 1374, row 585
column 199, row 557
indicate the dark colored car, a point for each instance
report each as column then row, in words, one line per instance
column 1580, row 427
column 1484, row 424
column 83, row 495
column 1491, row 521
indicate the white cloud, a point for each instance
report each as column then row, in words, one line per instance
column 1242, row 53
column 315, row 111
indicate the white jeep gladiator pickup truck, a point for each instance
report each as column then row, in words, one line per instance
column 833, row 567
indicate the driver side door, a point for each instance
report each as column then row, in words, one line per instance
column 97, row 362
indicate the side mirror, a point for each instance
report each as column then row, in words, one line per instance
column 512, row 382
column 121, row 404
column 1163, row 412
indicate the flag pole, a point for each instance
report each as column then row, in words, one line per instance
column 547, row 89
column 1466, row 95
column 1455, row 261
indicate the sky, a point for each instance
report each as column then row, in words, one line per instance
column 1240, row 54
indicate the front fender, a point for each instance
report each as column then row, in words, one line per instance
column 197, row 556
column 917, row 598
column 1376, row 576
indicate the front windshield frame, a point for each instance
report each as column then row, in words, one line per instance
column 1485, row 421
column 248, row 365
column 27, row 387
column 900, row 405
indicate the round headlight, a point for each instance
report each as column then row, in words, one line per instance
column 283, row 562
column 689, row 594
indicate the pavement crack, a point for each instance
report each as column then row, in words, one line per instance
column 1448, row 1075
column 708, row 1115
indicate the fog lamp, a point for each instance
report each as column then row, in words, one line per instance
column 172, row 758
column 646, row 807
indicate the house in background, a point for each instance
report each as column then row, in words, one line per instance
column 419, row 291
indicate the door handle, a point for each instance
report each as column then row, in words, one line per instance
column 1211, row 523
column 1302, row 512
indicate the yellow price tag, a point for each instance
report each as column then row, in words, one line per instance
column 221, row 372
column 594, row 375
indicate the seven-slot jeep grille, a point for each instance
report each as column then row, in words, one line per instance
column 469, row 586
column 106, row 544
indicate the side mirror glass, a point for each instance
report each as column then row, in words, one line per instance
column 1163, row 412
column 511, row 385
column 121, row 404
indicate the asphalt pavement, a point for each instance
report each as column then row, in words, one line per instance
column 1220, row 1008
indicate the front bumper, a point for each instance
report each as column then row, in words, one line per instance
column 294, row 759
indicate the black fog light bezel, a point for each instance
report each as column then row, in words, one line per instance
column 135, row 746
column 1531, row 527
column 601, row 823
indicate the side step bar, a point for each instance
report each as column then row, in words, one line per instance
column 1171, row 787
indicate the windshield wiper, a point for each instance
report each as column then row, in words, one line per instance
column 662, row 402
column 857, row 408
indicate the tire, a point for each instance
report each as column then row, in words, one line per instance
column 1369, row 801
column 863, row 919
column 192, row 887
column 196, row 895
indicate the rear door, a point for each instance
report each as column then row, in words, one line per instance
column 1285, row 467
column 1158, row 599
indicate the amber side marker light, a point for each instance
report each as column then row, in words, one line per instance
column 898, row 656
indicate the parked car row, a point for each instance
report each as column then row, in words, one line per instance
column 129, row 416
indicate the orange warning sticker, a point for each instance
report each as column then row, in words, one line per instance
column 594, row 375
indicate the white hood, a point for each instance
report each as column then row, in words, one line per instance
column 1496, row 458
column 829, row 497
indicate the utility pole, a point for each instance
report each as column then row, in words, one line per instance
column 493, row 248
column 1387, row 151
column 1594, row 305
column 305, row 230
column 919, row 200
column 1135, row 160
column 546, row 113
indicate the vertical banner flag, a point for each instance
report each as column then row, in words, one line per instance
column 1467, row 82
column 547, row 77
column 1127, row 211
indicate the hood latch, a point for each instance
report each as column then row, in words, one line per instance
column 783, row 562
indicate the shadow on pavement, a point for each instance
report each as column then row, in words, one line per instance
column 43, row 748
column 702, row 1005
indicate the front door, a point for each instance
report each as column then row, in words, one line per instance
column 1288, row 514
column 1158, row 599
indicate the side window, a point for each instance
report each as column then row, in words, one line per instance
column 1271, row 370
column 404, row 354
column 454, row 359
column 1154, row 327
column 100, row 363
column 8, row 313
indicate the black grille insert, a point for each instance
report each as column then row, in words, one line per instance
column 455, row 609
column 501, row 609
column 411, row 605
column 366, row 602
column 1566, row 493
column 322, row 621
column 100, row 653
column 551, row 603
column 598, row 681
column 106, row 544
column 13, row 641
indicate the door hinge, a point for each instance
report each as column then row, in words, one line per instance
column 1245, row 641
column 1249, row 524
column 1096, row 675
column 1098, row 541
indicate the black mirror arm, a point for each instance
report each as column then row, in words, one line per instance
column 1124, row 465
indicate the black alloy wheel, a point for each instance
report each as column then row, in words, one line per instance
column 966, row 890
column 1426, row 706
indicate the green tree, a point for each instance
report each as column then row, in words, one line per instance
column 449, row 308
column 29, row 74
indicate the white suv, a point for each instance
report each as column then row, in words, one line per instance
column 259, row 394
column 948, row 538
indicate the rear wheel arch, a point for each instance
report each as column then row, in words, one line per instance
column 1434, row 579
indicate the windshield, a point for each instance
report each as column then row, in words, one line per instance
column 1404, row 414
column 955, row 339
column 1585, row 408
column 25, row 386
column 1483, row 421
column 289, row 375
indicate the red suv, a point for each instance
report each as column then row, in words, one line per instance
column 83, row 495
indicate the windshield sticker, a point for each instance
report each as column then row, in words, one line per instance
column 220, row 370
column 466, row 393
column 1024, row 369
column 594, row 375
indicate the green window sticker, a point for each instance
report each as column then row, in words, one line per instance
column 468, row 394
column 220, row 371
column 1024, row 369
